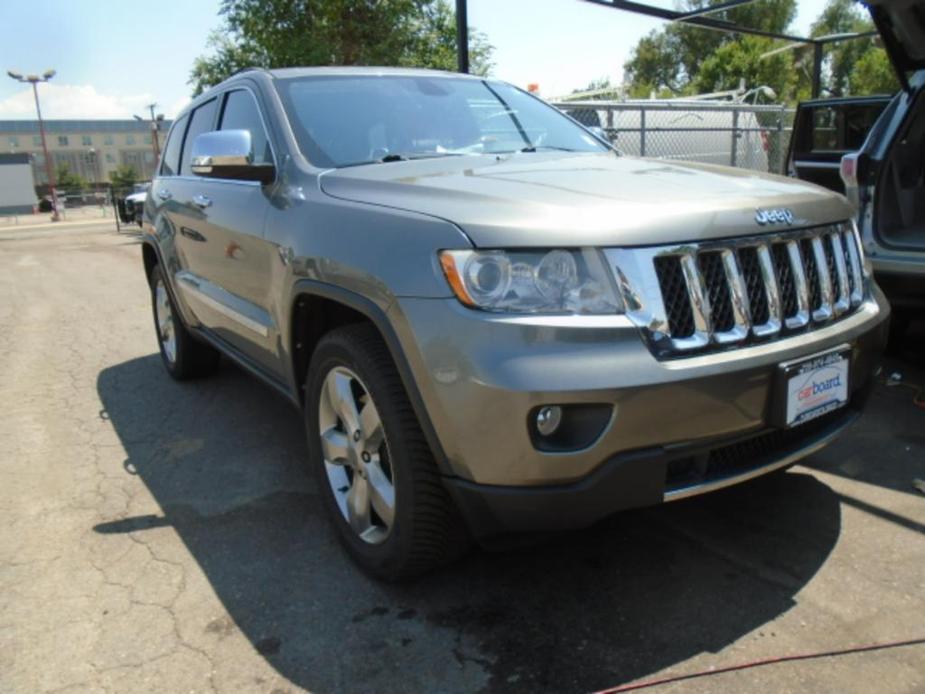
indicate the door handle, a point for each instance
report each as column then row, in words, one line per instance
column 164, row 194
column 201, row 201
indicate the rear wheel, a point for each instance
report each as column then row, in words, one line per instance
column 184, row 356
column 375, row 471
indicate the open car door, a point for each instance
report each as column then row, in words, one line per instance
column 901, row 24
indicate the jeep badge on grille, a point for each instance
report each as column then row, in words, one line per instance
column 779, row 216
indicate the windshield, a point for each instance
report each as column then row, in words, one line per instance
column 350, row 120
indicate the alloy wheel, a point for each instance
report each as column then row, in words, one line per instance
column 356, row 456
column 166, row 330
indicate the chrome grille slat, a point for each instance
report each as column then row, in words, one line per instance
column 824, row 312
column 700, row 303
column 857, row 289
column 801, row 317
column 693, row 297
column 738, row 297
column 843, row 301
column 772, row 293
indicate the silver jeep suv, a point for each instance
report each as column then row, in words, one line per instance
column 493, row 322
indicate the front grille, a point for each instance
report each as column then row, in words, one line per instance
column 718, row 294
column 812, row 273
column 674, row 289
column 784, row 274
column 714, row 278
column 754, row 284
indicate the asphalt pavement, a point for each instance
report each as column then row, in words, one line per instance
column 157, row 536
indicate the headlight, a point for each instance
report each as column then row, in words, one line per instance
column 557, row 281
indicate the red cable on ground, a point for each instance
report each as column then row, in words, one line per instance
column 760, row 663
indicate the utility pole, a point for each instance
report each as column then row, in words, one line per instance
column 49, row 169
column 462, row 36
column 155, row 145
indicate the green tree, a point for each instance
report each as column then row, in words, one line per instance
column 124, row 176
column 874, row 74
column 285, row 33
column 747, row 60
column 844, row 59
column 671, row 59
column 65, row 179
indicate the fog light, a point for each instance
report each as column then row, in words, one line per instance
column 548, row 419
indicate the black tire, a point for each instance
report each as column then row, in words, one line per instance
column 191, row 358
column 427, row 530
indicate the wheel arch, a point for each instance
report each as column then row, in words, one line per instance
column 316, row 308
column 150, row 257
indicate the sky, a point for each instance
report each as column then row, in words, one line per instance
column 113, row 57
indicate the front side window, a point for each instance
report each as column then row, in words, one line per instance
column 36, row 140
column 170, row 162
column 202, row 121
column 62, row 140
column 86, row 140
column 241, row 113
column 349, row 120
column 14, row 141
column 107, row 140
column 129, row 139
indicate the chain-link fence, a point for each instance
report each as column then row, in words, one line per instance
column 743, row 135
column 123, row 205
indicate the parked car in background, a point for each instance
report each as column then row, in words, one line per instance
column 135, row 205
column 490, row 320
column 131, row 206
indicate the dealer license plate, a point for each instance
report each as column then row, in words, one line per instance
column 816, row 386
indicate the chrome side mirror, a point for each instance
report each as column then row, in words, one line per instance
column 228, row 154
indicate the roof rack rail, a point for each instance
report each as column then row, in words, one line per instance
column 250, row 68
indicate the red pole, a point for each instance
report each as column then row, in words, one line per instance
column 49, row 169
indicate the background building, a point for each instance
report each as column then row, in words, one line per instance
column 92, row 149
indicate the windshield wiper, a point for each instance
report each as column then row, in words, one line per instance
column 418, row 155
column 537, row 148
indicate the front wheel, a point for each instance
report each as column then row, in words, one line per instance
column 374, row 468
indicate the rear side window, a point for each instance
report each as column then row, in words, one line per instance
column 202, row 121
column 170, row 162
column 241, row 113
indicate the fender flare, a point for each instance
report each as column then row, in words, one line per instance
column 377, row 316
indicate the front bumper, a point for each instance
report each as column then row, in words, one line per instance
column 481, row 375
column 644, row 478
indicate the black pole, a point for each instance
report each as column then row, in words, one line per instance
column 462, row 37
column 817, row 69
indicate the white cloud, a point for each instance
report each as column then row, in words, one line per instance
column 73, row 101
column 173, row 109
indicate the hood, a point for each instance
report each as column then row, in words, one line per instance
column 901, row 24
column 557, row 199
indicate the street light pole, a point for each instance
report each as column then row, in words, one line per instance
column 49, row 169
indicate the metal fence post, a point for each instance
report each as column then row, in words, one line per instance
column 735, row 137
column 642, row 132
column 780, row 141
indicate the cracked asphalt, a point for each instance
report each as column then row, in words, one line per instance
column 157, row 536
